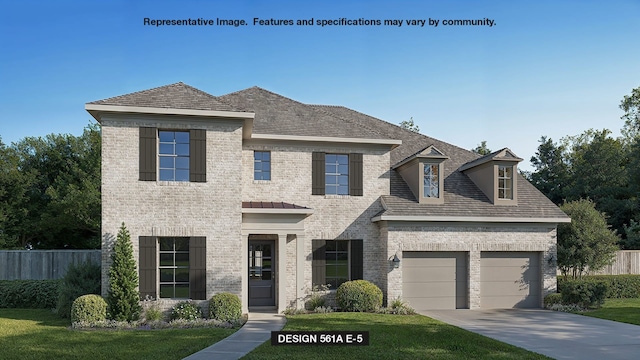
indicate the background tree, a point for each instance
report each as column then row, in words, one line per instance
column 50, row 191
column 551, row 174
column 410, row 125
column 630, row 104
column 482, row 149
column 123, row 296
column 632, row 240
column 586, row 242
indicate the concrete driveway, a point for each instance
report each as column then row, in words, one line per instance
column 555, row 334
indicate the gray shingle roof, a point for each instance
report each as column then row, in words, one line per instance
column 279, row 115
column 461, row 196
column 174, row 96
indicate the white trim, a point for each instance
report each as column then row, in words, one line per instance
column 326, row 139
column 501, row 219
column 166, row 111
column 276, row 211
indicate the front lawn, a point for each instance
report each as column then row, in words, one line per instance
column 391, row 337
column 39, row 334
column 622, row 310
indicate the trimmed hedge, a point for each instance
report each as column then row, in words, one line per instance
column 586, row 294
column 359, row 296
column 80, row 279
column 89, row 308
column 225, row 307
column 618, row 286
column 31, row 294
column 552, row 299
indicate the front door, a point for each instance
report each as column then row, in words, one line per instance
column 262, row 273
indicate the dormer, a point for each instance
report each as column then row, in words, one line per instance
column 495, row 174
column 423, row 172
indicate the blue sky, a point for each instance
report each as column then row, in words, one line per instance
column 551, row 68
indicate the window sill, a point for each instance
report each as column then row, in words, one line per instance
column 337, row 196
column 173, row 183
column 262, row 182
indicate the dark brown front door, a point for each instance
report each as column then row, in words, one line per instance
column 261, row 273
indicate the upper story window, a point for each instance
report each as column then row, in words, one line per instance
column 173, row 154
column 505, row 182
column 261, row 165
column 431, row 180
column 336, row 174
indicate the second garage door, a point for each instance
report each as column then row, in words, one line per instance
column 510, row 280
column 434, row 280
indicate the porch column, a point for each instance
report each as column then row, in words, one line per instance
column 282, row 272
column 244, row 249
column 300, row 260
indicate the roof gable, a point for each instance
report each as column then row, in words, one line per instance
column 503, row 154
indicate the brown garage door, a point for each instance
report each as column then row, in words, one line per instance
column 510, row 280
column 434, row 280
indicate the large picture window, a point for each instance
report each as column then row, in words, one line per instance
column 336, row 174
column 173, row 154
column 174, row 267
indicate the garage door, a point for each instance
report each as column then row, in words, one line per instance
column 510, row 280
column 434, row 280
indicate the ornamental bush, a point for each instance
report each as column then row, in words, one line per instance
column 80, row 279
column 586, row 294
column 89, row 308
column 186, row 310
column 123, row 297
column 359, row 296
column 225, row 307
column 552, row 299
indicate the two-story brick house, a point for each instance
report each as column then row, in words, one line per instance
column 263, row 196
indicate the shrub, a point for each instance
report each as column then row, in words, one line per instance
column 552, row 299
column 359, row 296
column 123, row 297
column 32, row 294
column 317, row 297
column 225, row 307
column 399, row 307
column 89, row 308
column 586, row 294
column 153, row 313
column 80, row 279
column 618, row 286
column 186, row 310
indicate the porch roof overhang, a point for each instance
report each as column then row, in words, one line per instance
column 271, row 207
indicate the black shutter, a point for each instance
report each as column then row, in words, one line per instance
column 355, row 174
column 148, row 140
column 318, row 268
column 198, row 155
column 147, row 266
column 317, row 173
column 198, row 268
column 356, row 259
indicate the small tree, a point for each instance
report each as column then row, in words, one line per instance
column 123, row 297
column 586, row 242
column 410, row 125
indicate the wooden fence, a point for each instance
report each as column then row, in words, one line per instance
column 42, row 264
column 626, row 262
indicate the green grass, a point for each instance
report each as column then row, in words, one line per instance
column 39, row 334
column 391, row 337
column 622, row 310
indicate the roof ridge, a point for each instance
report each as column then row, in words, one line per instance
column 138, row 92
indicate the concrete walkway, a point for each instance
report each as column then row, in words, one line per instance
column 555, row 334
column 254, row 332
